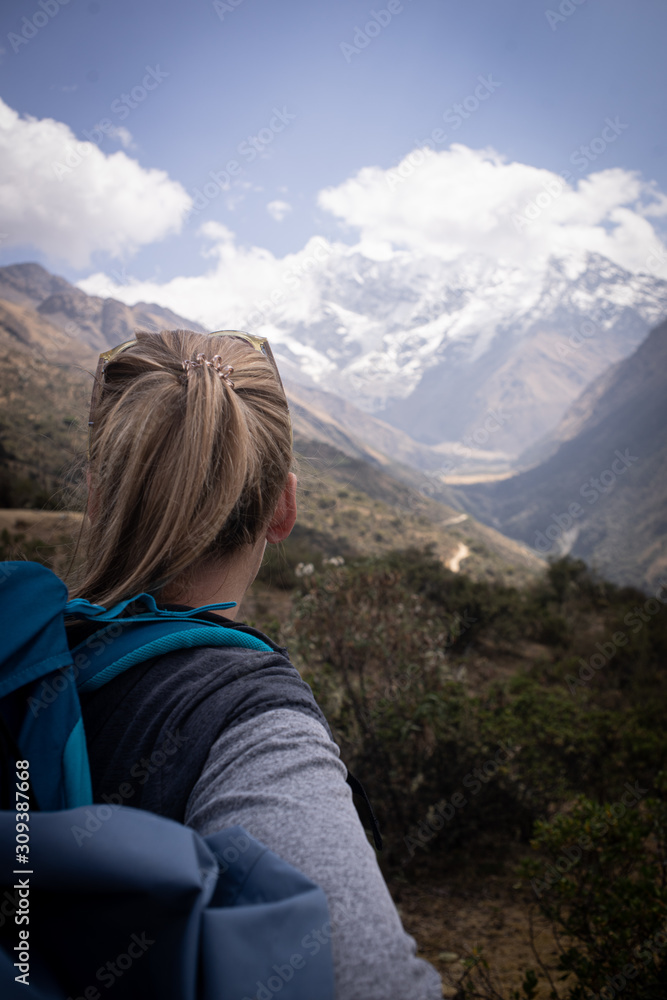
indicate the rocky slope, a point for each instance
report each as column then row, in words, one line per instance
column 599, row 492
column 96, row 322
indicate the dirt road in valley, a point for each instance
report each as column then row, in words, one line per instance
column 461, row 553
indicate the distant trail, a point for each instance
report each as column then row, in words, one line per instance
column 455, row 520
column 461, row 553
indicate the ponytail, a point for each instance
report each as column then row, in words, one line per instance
column 185, row 463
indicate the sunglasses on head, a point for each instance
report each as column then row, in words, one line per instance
column 260, row 344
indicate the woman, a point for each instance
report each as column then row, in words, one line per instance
column 189, row 478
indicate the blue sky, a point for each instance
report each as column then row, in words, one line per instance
column 221, row 74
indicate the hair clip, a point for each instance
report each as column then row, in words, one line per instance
column 224, row 371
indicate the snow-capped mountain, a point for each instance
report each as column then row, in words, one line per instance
column 476, row 351
column 477, row 358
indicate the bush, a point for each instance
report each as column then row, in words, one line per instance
column 602, row 883
column 15, row 546
column 378, row 658
column 384, row 642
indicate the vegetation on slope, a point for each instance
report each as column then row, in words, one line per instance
column 559, row 757
column 42, row 430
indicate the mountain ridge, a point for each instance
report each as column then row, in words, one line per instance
column 431, row 346
column 97, row 322
column 599, row 491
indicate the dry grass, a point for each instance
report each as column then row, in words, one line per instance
column 48, row 536
column 451, row 917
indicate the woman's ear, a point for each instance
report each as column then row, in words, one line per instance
column 284, row 517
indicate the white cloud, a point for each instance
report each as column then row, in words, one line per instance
column 278, row 209
column 123, row 136
column 239, row 290
column 449, row 206
column 461, row 201
column 69, row 199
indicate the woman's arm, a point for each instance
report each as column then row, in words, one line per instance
column 279, row 775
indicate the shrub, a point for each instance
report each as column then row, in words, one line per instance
column 383, row 642
column 378, row 658
column 602, row 883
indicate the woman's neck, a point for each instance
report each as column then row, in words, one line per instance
column 217, row 582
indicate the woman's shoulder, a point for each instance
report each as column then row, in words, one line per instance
column 225, row 685
column 185, row 698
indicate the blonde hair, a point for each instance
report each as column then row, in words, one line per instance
column 182, row 466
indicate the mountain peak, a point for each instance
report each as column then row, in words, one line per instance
column 97, row 322
column 29, row 284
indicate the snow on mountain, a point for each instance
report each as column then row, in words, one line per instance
column 433, row 346
column 468, row 350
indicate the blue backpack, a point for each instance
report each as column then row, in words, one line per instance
column 140, row 903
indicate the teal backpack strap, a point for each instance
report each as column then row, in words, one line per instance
column 40, row 677
column 129, row 641
column 81, row 608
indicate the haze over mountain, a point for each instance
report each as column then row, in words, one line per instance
column 599, row 492
column 67, row 323
column 57, row 323
column 452, row 348
column 441, row 349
